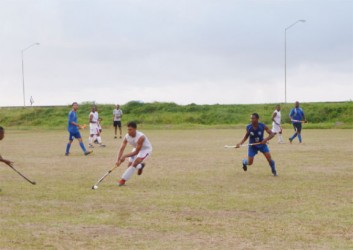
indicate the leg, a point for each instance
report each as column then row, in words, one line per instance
column 83, row 146
column 68, row 146
column 120, row 131
column 295, row 134
column 271, row 162
column 115, row 129
column 299, row 130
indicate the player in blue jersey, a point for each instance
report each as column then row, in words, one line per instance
column 255, row 132
column 73, row 128
column 297, row 117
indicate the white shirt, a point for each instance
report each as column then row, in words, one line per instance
column 117, row 114
column 133, row 141
column 277, row 117
column 94, row 117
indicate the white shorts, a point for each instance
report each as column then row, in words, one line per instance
column 276, row 128
column 93, row 129
column 144, row 154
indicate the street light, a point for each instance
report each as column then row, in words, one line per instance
column 23, row 73
column 285, row 56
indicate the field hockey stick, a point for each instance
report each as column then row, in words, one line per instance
column 32, row 182
column 243, row 145
column 299, row 121
column 95, row 186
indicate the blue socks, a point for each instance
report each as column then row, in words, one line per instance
column 293, row 136
column 245, row 162
column 83, row 147
column 68, row 148
column 273, row 167
column 300, row 138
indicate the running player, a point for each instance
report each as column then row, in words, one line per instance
column 73, row 128
column 117, row 115
column 276, row 123
column 255, row 131
column 297, row 117
column 2, row 135
column 94, row 128
column 142, row 149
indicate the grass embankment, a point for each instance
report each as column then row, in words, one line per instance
column 171, row 115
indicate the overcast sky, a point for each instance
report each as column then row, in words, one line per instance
column 183, row 51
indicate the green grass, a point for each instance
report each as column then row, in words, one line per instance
column 193, row 194
column 171, row 115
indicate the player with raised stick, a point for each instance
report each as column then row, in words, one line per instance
column 73, row 128
column 297, row 117
column 255, row 132
column 142, row 149
column 276, row 123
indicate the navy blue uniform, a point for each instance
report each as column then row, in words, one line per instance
column 256, row 136
column 73, row 130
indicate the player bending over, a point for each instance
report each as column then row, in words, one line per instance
column 255, row 133
column 141, row 151
column 73, row 128
column 94, row 128
column 297, row 117
column 2, row 135
column 276, row 123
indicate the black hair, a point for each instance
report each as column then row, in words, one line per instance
column 74, row 103
column 256, row 115
column 132, row 125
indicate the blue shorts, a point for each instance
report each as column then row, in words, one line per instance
column 252, row 151
column 297, row 126
column 73, row 135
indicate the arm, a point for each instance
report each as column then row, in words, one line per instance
column 270, row 135
column 119, row 159
column 273, row 117
column 137, row 150
column 246, row 136
column 291, row 114
column 90, row 119
column 8, row 162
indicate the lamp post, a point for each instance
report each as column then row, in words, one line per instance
column 285, row 56
column 23, row 73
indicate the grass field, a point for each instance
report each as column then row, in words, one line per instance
column 193, row 194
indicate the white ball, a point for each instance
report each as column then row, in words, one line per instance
column 95, row 187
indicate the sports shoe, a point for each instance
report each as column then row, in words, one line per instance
column 121, row 182
column 245, row 167
column 115, row 137
column 139, row 171
column 67, row 154
column 88, row 152
column 120, row 137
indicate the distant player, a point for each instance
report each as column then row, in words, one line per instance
column 94, row 128
column 2, row 135
column 276, row 123
column 297, row 117
column 255, row 131
column 73, row 128
column 117, row 115
column 141, row 151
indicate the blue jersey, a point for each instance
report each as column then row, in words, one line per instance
column 297, row 114
column 256, row 135
column 72, row 118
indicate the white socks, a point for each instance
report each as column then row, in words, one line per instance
column 280, row 138
column 99, row 139
column 128, row 173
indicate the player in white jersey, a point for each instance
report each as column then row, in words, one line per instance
column 117, row 115
column 94, row 128
column 142, row 149
column 276, row 123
